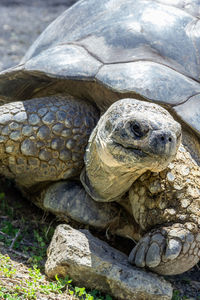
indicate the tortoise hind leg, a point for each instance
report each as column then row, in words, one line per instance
column 69, row 201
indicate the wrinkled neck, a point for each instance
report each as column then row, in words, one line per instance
column 105, row 180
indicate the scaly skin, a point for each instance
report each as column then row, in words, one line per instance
column 168, row 250
column 170, row 203
column 129, row 139
column 44, row 139
column 69, row 201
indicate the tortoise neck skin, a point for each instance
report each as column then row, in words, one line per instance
column 106, row 182
column 129, row 139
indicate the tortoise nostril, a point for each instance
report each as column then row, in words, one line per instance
column 162, row 138
column 165, row 138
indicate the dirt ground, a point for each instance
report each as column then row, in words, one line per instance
column 21, row 21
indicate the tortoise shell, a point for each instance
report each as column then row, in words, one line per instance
column 111, row 49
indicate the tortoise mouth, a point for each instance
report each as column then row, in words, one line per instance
column 130, row 149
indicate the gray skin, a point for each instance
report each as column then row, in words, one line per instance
column 131, row 138
column 52, row 102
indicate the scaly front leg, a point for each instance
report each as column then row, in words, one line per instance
column 167, row 206
column 168, row 250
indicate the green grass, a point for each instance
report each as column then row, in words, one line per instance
column 25, row 233
column 177, row 296
column 35, row 284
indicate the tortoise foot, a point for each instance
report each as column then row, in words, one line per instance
column 168, row 250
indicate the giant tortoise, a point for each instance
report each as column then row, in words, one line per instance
column 133, row 68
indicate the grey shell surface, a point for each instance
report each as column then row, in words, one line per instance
column 110, row 49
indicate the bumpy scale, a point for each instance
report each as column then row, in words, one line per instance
column 144, row 56
column 169, row 202
column 44, row 139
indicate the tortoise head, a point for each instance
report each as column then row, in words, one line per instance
column 130, row 138
column 137, row 134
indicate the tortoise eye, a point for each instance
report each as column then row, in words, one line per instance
column 137, row 130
